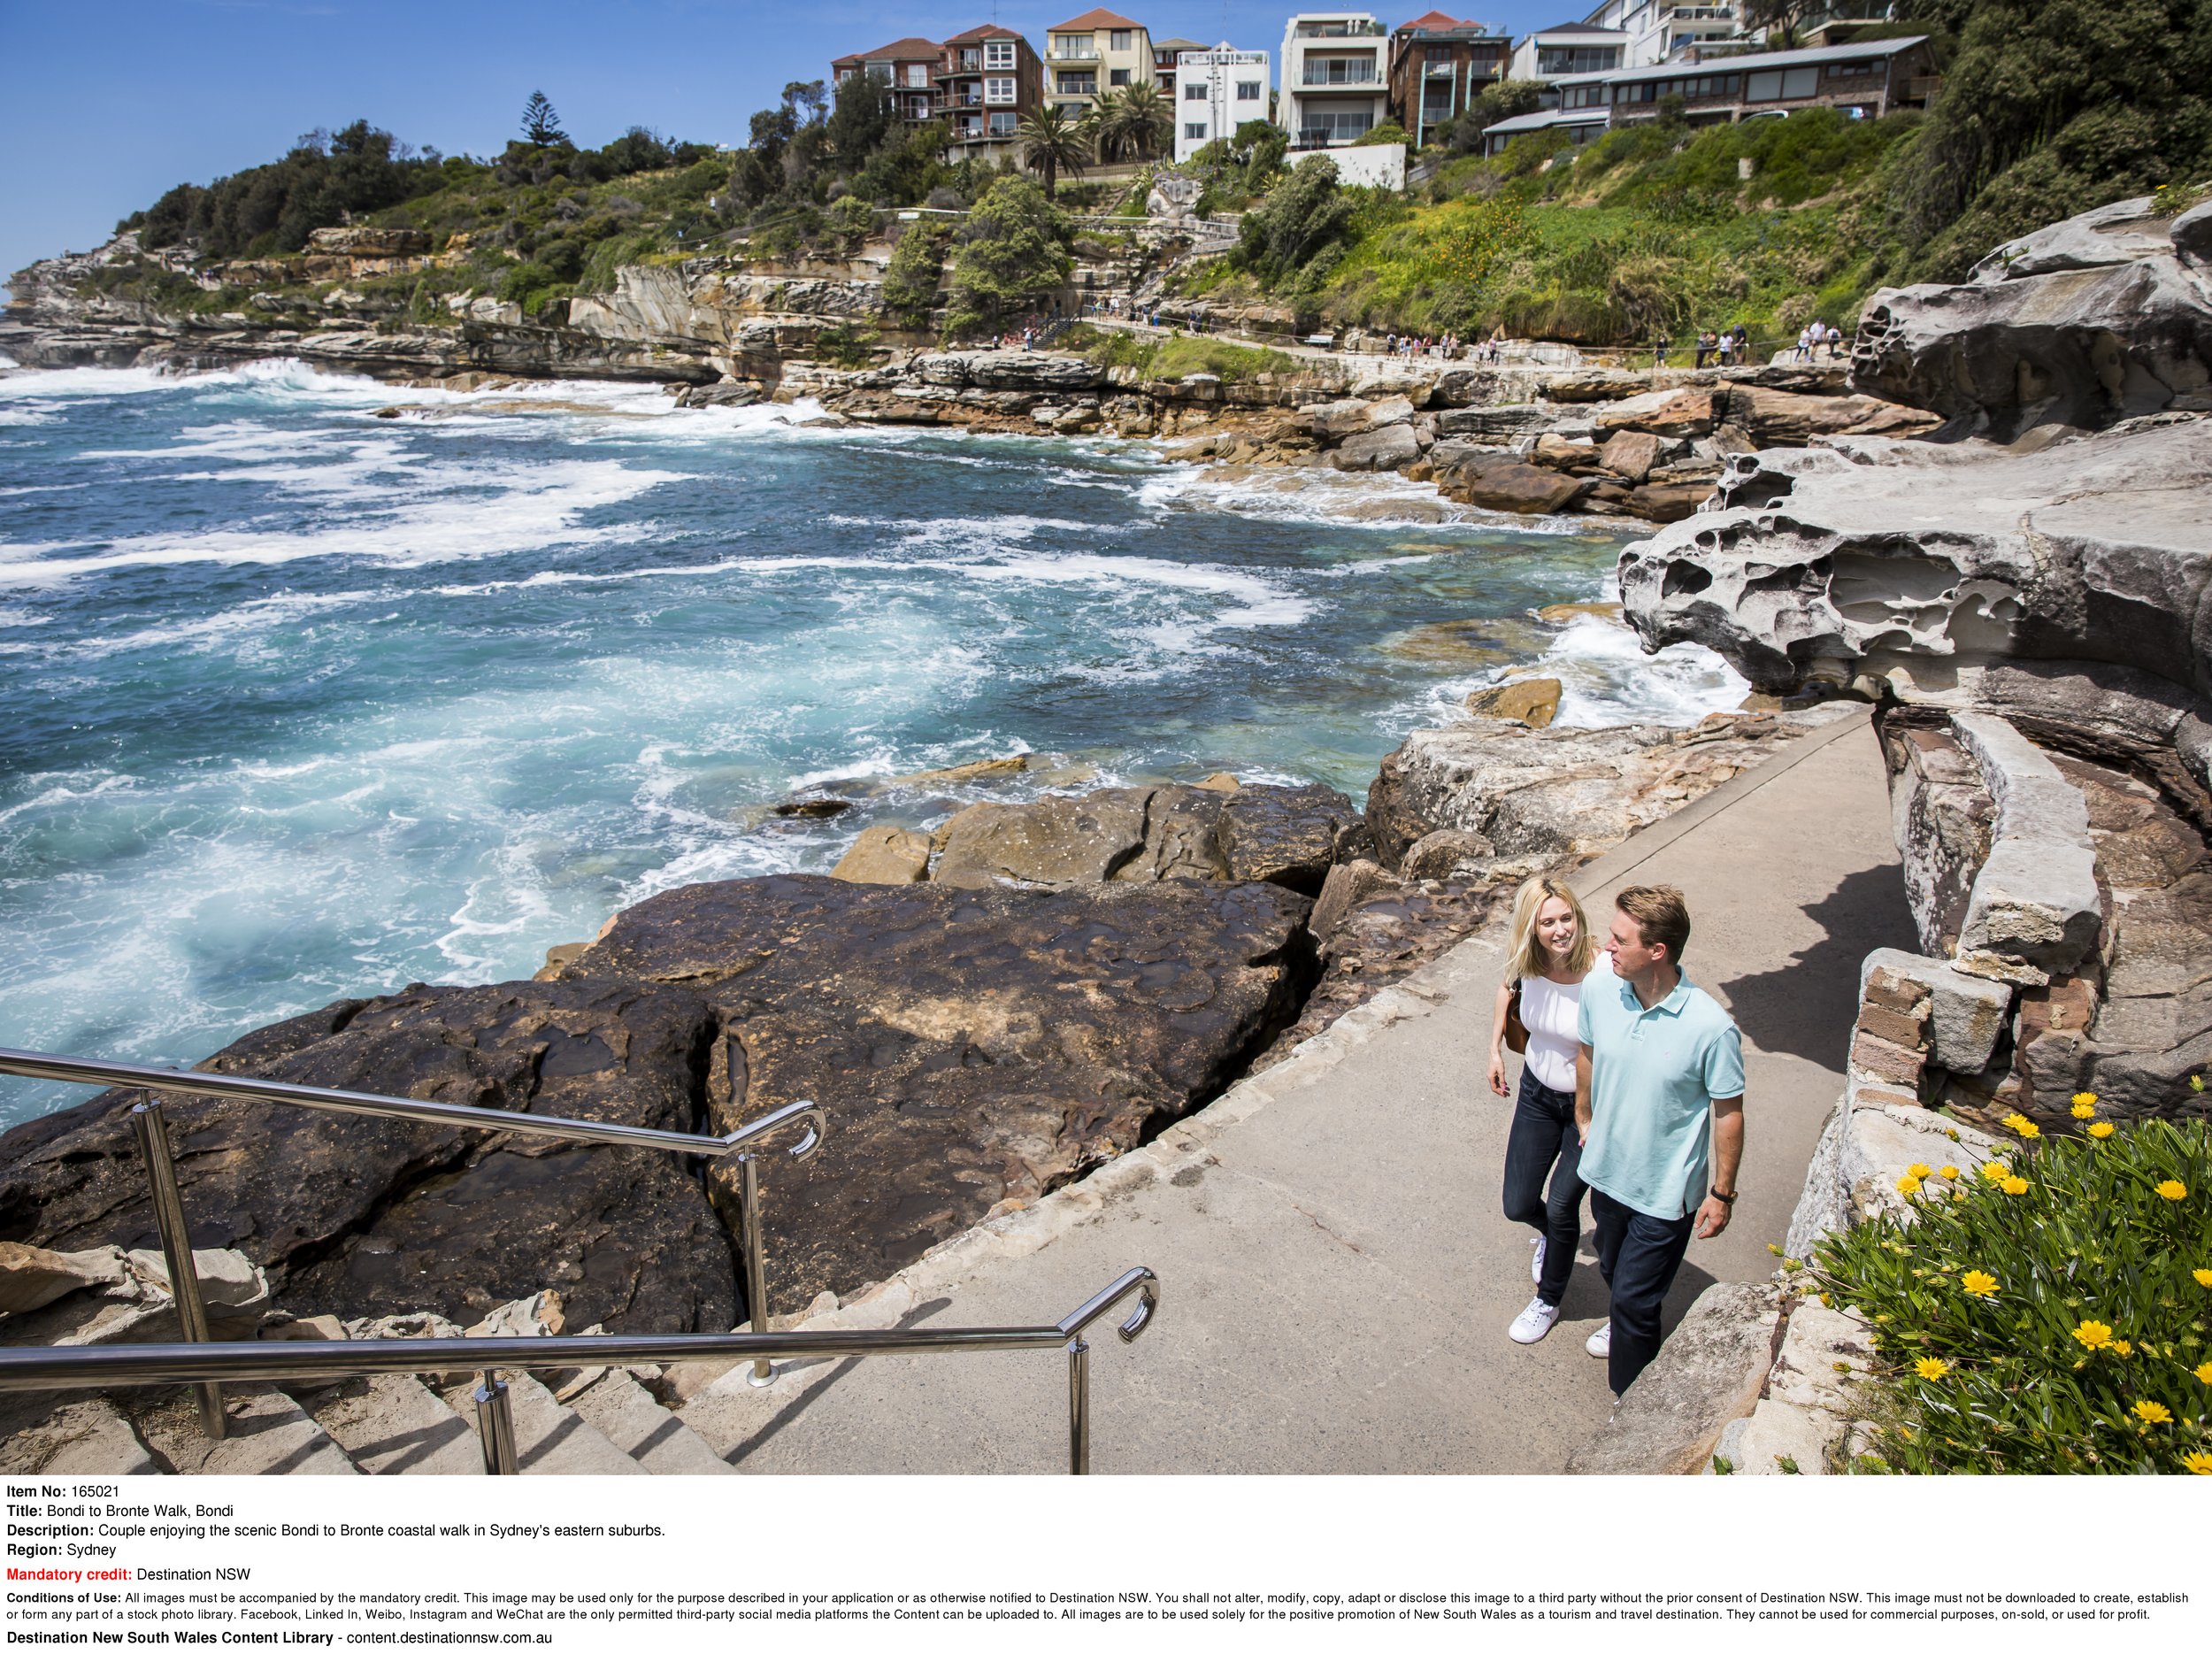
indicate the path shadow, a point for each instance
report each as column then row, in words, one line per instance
column 1585, row 1298
column 1806, row 1008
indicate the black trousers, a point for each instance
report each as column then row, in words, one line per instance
column 1543, row 1144
column 1638, row 1255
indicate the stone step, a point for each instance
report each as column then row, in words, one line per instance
column 268, row 1434
column 624, row 1411
column 70, row 1437
column 392, row 1425
column 550, row 1439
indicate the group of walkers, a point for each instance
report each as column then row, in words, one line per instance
column 1813, row 334
column 1632, row 1091
column 1728, row 348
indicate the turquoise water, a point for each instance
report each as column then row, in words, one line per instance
column 301, row 703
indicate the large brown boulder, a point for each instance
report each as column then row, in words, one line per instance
column 363, row 1216
column 1287, row 835
column 1785, row 418
column 968, row 1046
column 1500, row 483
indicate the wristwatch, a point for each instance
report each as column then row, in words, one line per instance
column 1725, row 1200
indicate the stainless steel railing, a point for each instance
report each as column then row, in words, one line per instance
column 150, row 1125
column 117, row 1366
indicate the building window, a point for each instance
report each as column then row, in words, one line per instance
column 1194, row 130
column 844, row 75
column 916, row 75
column 1194, row 90
column 1123, row 39
column 998, row 54
column 1082, row 85
column 998, row 91
column 1333, row 125
column 1003, row 123
column 1249, row 91
column 1117, row 77
column 1439, row 54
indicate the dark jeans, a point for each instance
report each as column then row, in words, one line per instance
column 1638, row 1256
column 1543, row 1142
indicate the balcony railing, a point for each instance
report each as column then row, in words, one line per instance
column 1337, row 31
column 1073, row 54
column 1357, row 74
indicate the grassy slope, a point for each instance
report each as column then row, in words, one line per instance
column 1649, row 229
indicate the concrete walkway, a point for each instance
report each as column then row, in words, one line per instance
column 1338, row 1277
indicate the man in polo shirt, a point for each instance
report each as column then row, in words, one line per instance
column 1658, row 1059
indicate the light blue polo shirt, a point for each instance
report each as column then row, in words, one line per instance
column 1653, row 1077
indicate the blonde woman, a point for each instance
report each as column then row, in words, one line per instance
column 1552, row 951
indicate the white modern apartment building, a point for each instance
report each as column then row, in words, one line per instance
column 1661, row 31
column 1336, row 83
column 1568, row 49
column 1215, row 92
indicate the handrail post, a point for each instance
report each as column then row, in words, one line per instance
column 150, row 1126
column 764, row 1373
column 1079, row 1408
column 495, row 1425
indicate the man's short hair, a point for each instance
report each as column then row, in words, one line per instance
column 1661, row 916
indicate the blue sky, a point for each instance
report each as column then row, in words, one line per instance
column 109, row 102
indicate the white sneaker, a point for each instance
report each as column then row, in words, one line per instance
column 1599, row 1343
column 1536, row 1263
column 1533, row 1322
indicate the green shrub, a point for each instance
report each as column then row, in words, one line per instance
column 2047, row 1311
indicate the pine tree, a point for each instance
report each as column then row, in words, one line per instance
column 540, row 125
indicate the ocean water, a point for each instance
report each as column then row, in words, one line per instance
column 298, row 702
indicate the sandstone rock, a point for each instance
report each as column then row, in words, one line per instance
column 2192, row 236
column 2087, row 323
column 811, row 809
column 357, row 1214
column 884, row 855
column 1284, row 835
column 1708, row 1372
column 980, row 770
column 968, row 1045
column 227, row 1279
column 1389, row 448
column 1345, row 888
column 1501, row 483
column 538, row 1316
column 1558, row 792
column 1965, row 1014
column 1530, row 701
column 1498, row 424
column 1817, row 1387
column 1934, row 561
column 1448, row 852
column 1667, row 502
column 1661, row 412
column 1630, row 454
column 31, row 1277
column 1863, row 1150
column 1782, row 418
column 304, row 1328
column 1563, row 453
column 2035, row 897
column 1219, row 781
column 1594, row 385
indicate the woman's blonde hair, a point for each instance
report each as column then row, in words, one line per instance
column 1530, row 957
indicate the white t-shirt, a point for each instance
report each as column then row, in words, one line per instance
column 1552, row 1015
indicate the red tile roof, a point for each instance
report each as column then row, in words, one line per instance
column 1100, row 18
column 1437, row 20
column 913, row 49
column 988, row 31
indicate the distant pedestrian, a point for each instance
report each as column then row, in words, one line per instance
column 1551, row 953
column 1659, row 350
column 1659, row 1102
column 1835, row 340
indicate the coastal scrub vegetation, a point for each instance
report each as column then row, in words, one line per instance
column 2046, row 1311
column 1177, row 358
column 2044, row 110
column 1011, row 256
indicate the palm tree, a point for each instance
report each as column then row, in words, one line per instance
column 1049, row 142
column 1141, row 125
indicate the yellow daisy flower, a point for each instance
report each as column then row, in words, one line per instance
column 2204, row 1277
column 1979, row 1283
column 2093, row 1335
column 1930, row 1367
column 1995, row 1169
column 2121, row 1347
column 2197, row 1464
column 1946, row 1172
column 1917, row 1170
column 2085, row 1104
column 2204, row 1374
column 2015, row 1186
column 1909, row 1185
column 2174, row 1188
column 2152, row 1413
column 2100, row 1130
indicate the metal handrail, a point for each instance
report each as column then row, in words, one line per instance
column 104, row 1366
column 150, row 1126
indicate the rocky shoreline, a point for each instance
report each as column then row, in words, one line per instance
column 1028, row 992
